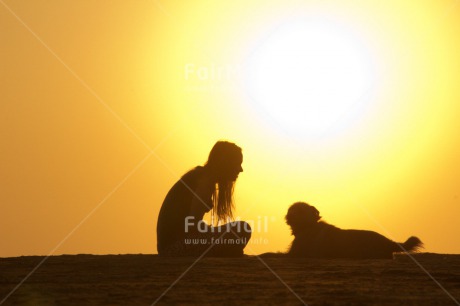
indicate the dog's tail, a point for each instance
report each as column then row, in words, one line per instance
column 413, row 244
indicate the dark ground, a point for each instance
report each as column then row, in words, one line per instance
column 147, row 279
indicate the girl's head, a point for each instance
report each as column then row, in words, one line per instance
column 225, row 161
column 224, row 164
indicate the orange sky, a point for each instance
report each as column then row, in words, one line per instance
column 103, row 107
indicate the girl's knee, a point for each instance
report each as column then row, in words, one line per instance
column 239, row 228
column 245, row 229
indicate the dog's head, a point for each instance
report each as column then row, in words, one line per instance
column 301, row 216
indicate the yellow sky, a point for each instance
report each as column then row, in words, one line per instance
column 89, row 89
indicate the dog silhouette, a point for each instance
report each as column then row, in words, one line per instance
column 314, row 238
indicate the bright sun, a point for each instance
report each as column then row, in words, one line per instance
column 310, row 77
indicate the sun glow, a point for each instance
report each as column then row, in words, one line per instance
column 310, row 77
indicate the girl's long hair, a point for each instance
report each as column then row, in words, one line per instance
column 223, row 201
column 219, row 157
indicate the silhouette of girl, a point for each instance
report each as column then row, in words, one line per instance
column 180, row 229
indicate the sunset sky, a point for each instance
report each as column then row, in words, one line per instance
column 351, row 106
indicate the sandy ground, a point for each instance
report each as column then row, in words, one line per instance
column 149, row 279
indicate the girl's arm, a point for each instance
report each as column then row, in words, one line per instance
column 201, row 201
